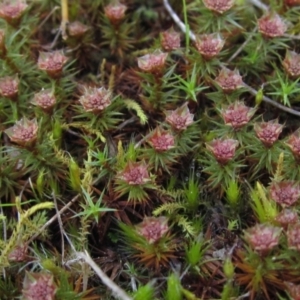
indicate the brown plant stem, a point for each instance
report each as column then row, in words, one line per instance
column 117, row 291
column 272, row 102
column 177, row 20
column 49, row 222
column 61, row 227
column 260, row 5
column 239, row 50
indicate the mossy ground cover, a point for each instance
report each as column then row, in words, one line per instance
column 149, row 149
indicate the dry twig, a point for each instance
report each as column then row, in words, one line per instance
column 117, row 291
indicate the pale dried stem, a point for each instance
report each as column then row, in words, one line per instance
column 140, row 142
column 67, row 206
column 292, row 37
column 48, row 16
column 116, row 290
column 177, row 20
column 60, row 226
column 260, row 5
column 246, row 295
column 239, row 50
column 272, row 102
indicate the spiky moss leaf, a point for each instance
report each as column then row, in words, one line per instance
column 187, row 140
column 130, row 233
column 155, row 254
column 195, row 252
column 8, row 287
column 232, row 193
column 267, row 209
column 135, row 193
column 74, row 175
column 100, row 122
column 192, row 193
column 221, row 175
column 145, row 292
column 279, row 169
column 160, row 159
column 174, row 289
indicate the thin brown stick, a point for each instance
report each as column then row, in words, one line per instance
column 49, row 222
column 260, row 5
column 61, row 227
column 272, row 102
column 117, row 291
column 177, row 20
column 48, row 16
column 240, row 49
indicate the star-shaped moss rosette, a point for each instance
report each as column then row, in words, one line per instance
column 263, row 237
column 170, row 39
column 287, row 217
column 161, row 140
column 184, row 128
column 237, row 115
column 135, row 181
column 180, row 118
column 39, row 286
column 77, row 29
column 153, row 63
column 209, row 45
column 229, row 80
column 98, row 110
column 135, row 173
column 150, row 242
column 293, row 236
column 52, row 63
column 161, row 149
column 45, row 100
column 24, row 132
column 271, row 25
column 293, row 142
column 285, row 193
column 9, row 87
column 268, row 132
column 115, row 12
column 291, row 64
column 222, row 162
column 219, row 6
column 223, row 149
column 12, row 11
column 153, row 229
column 19, row 253
column 95, row 99
column 264, row 149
